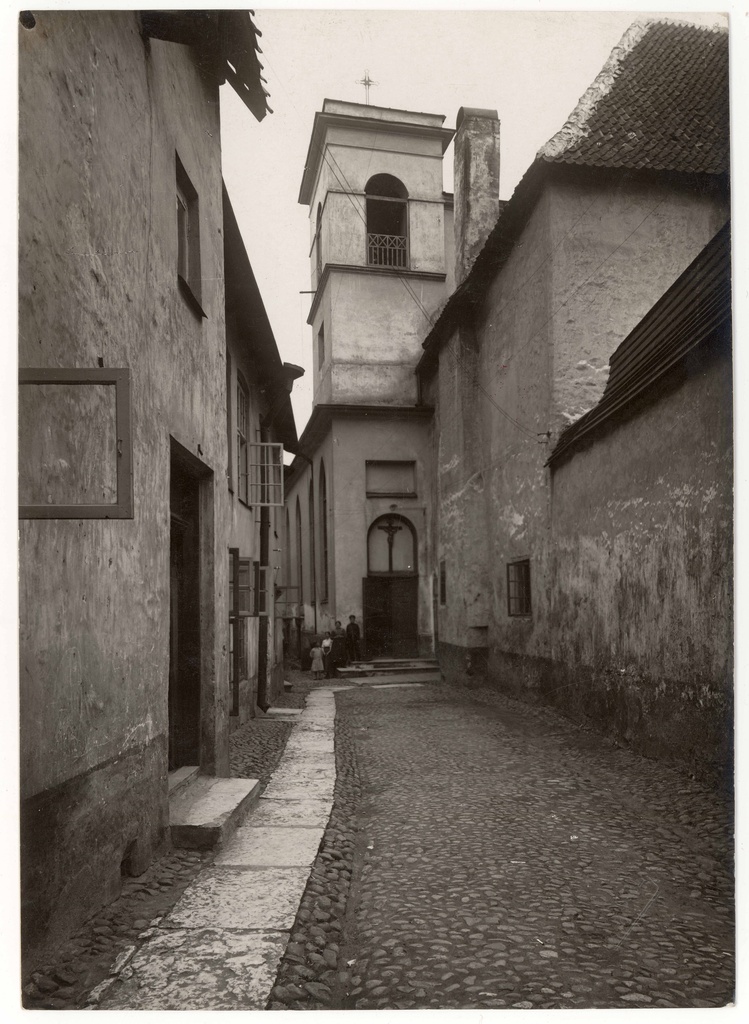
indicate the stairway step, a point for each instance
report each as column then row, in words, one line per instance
column 392, row 678
column 355, row 671
column 203, row 814
column 182, row 777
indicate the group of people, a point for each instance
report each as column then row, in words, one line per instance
column 337, row 648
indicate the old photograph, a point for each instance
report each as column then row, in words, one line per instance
column 376, row 510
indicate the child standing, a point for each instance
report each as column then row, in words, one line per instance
column 317, row 662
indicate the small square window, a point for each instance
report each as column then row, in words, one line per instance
column 519, row 588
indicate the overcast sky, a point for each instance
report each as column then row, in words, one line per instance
column 531, row 67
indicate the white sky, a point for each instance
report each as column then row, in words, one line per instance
column 531, row 67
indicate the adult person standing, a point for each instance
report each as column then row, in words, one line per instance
column 353, row 636
column 327, row 646
column 338, row 650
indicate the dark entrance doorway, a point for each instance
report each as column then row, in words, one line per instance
column 184, row 617
column 391, row 589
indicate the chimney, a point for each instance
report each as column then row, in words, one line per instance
column 476, row 184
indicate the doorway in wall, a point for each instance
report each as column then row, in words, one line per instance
column 391, row 589
column 184, row 616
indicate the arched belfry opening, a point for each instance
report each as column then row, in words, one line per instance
column 387, row 221
column 391, row 588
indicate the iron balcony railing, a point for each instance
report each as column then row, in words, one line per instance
column 386, row 250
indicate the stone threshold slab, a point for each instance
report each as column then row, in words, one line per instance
column 266, row 846
column 209, row 969
column 258, row 899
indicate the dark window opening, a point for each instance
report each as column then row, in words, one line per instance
column 387, row 222
column 519, row 588
column 324, row 532
column 243, row 429
column 321, row 347
column 188, row 240
column 443, row 583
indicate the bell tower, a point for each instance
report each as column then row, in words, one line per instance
column 381, row 248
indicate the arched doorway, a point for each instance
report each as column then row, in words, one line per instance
column 391, row 589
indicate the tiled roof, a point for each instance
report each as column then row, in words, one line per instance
column 659, row 103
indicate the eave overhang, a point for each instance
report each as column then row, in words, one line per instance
column 225, row 45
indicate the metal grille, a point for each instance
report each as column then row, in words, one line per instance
column 265, row 467
column 386, row 250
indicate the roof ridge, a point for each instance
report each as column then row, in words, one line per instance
column 576, row 127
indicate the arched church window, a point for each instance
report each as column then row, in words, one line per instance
column 299, row 548
column 387, row 221
column 391, row 547
column 312, row 574
column 324, row 531
column 318, row 241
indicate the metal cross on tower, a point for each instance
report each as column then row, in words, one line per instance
column 366, row 82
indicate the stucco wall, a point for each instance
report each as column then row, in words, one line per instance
column 617, row 249
column 374, row 331
column 101, row 116
column 492, row 490
column 641, row 570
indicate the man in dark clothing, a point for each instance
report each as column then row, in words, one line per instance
column 353, row 635
column 338, row 650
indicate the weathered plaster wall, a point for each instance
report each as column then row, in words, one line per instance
column 376, row 329
column 617, row 249
column 640, row 582
column 492, row 488
column 101, row 116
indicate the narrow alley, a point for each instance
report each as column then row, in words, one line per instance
column 480, row 852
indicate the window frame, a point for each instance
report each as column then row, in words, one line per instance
column 189, row 278
column 242, row 393
column 123, row 507
column 519, row 601
column 390, row 494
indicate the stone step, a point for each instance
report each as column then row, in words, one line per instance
column 392, row 678
column 205, row 813
column 373, row 669
column 180, row 778
column 284, row 714
column 386, row 662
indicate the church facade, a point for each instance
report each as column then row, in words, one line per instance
column 358, row 509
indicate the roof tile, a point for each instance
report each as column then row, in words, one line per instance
column 660, row 102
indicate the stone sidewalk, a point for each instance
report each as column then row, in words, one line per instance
column 219, row 948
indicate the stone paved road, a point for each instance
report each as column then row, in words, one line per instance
column 509, row 859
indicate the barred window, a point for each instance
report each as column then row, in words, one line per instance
column 519, row 588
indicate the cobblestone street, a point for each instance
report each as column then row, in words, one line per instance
column 505, row 858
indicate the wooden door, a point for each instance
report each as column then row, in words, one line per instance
column 184, row 608
column 390, row 616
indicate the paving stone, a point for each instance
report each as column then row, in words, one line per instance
column 243, row 899
column 270, row 847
